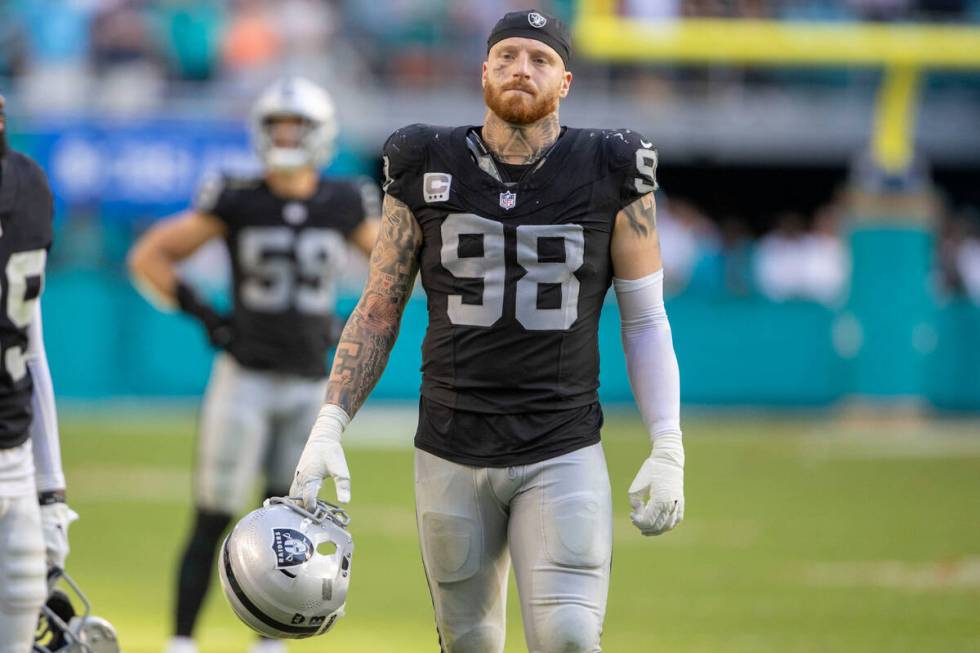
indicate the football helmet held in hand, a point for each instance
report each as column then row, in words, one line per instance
column 61, row 629
column 276, row 573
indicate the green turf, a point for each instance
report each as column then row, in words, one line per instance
column 800, row 536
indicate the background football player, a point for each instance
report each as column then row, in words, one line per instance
column 34, row 518
column 287, row 233
column 518, row 227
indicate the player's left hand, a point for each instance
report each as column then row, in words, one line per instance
column 55, row 518
column 657, row 492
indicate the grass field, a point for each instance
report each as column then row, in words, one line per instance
column 800, row 536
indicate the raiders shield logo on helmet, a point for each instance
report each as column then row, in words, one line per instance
column 292, row 547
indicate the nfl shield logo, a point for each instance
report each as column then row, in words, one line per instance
column 508, row 200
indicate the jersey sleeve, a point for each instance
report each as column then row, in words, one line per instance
column 404, row 157
column 214, row 197
column 634, row 165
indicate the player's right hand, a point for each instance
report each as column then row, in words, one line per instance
column 323, row 457
column 55, row 519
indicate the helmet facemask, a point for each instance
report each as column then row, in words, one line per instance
column 289, row 101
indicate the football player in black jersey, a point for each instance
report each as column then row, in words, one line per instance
column 34, row 518
column 518, row 228
column 287, row 233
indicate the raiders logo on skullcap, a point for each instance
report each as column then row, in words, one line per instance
column 537, row 25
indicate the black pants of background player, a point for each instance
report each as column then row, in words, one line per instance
column 197, row 564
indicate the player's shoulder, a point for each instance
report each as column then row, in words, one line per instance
column 216, row 188
column 28, row 170
column 407, row 146
column 621, row 146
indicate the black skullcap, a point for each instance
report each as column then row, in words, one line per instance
column 535, row 25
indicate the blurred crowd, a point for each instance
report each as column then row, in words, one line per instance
column 67, row 55
column 959, row 254
column 134, row 49
column 800, row 257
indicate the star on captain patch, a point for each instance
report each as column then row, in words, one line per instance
column 508, row 200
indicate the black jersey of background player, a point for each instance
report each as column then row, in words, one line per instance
column 515, row 273
column 285, row 256
column 26, row 215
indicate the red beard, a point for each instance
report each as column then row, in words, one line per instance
column 518, row 108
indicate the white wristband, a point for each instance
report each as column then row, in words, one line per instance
column 330, row 423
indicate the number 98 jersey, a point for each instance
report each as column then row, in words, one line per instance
column 26, row 215
column 515, row 273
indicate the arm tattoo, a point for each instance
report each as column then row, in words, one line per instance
column 520, row 144
column 641, row 216
column 372, row 328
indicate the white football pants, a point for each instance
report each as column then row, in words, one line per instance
column 23, row 588
column 552, row 518
column 252, row 422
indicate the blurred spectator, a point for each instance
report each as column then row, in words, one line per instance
column 126, row 57
column 252, row 43
column 736, row 253
column 56, row 46
column 688, row 241
column 306, row 28
column 793, row 263
column 192, row 34
column 959, row 254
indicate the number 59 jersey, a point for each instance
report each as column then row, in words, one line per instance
column 286, row 255
column 515, row 273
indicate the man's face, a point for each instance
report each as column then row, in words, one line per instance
column 3, row 129
column 523, row 80
column 285, row 130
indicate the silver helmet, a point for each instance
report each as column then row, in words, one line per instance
column 295, row 97
column 61, row 629
column 285, row 570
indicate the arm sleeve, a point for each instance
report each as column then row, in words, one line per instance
column 44, row 426
column 650, row 358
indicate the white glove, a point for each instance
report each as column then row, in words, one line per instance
column 55, row 518
column 323, row 457
column 657, row 492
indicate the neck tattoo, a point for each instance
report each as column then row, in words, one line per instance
column 519, row 144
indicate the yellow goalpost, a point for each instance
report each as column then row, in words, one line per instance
column 903, row 51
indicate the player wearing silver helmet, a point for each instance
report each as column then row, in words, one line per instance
column 287, row 232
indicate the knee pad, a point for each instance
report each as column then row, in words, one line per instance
column 569, row 629
column 481, row 639
column 452, row 547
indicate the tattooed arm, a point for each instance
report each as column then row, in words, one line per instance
column 371, row 330
column 635, row 246
column 362, row 352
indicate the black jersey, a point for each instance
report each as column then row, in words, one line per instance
column 515, row 272
column 285, row 255
column 26, row 214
